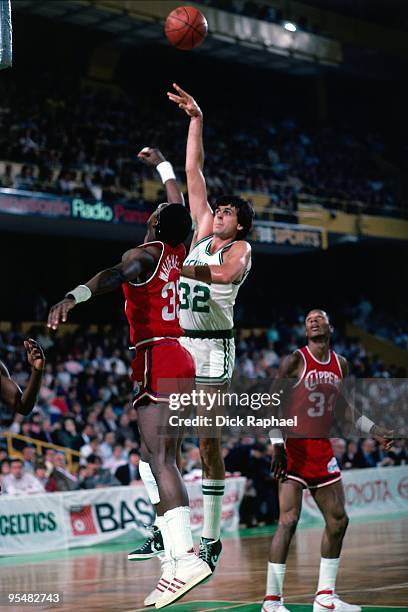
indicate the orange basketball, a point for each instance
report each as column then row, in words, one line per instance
column 186, row 27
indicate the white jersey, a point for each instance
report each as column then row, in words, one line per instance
column 206, row 307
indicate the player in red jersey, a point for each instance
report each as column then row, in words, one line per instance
column 310, row 381
column 149, row 276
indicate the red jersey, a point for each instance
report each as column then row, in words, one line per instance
column 314, row 396
column 152, row 307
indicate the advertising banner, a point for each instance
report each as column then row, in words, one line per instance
column 290, row 235
column 30, row 524
column 82, row 518
column 369, row 492
column 17, row 202
column 29, row 203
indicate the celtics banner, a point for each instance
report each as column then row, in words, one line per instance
column 53, row 521
column 369, row 492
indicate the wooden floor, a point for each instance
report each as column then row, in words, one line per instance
column 373, row 573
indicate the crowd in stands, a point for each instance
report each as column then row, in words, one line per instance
column 85, row 405
column 85, row 143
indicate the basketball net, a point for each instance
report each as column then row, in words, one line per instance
column 6, row 50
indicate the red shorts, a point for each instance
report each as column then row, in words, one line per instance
column 160, row 369
column 311, row 462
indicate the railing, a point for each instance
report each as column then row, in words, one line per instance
column 39, row 446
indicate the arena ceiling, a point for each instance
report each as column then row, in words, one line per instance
column 123, row 29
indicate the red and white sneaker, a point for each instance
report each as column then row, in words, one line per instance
column 273, row 603
column 328, row 600
column 167, row 569
column 189, row 571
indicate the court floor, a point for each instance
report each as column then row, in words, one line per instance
column 373, row 573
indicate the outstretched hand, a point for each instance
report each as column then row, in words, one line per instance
column 35, row 354
column 383, row 436
column 151, row 157
column 59, row 312
column 185, row 101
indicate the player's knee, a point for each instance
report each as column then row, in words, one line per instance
column 289, row 520
column 337, row 524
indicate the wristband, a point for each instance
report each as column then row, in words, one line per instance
column 82, row 293
column 276, row 436
column 165, row 170
column 364, row 424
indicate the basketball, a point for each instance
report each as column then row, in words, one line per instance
column 186, row 27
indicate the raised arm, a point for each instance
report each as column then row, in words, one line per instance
column 135, row 263
column 11, row 394
column 235, row 262
column 154, row 158
column 197, row 191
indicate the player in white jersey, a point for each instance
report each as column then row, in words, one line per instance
column 207, row 314
column 217, row 265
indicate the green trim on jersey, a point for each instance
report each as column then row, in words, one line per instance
column 238, row 282
column 200, row 241
column 224, row 377
column 209, row 380
column 220, row 251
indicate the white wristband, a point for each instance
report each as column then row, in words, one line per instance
column 364, row 424
column 276, row 436
column 80, row 294
column 165, row 169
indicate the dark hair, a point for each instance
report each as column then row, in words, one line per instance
column 134, row 451
column 319, row 310
column 92, row 458
column 173, row 224
column 245, row 212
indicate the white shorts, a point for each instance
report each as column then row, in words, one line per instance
column 214, row 358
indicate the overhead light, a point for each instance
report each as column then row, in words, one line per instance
column 290, row 26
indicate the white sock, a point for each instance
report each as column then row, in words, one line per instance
column 213, row 492
column 161, row 523
column 328, row 574
column 274, row 581
column 149, row 482
column 178, row 525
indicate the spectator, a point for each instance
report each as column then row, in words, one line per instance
column 4, row 471
column 339, row 450
column 348, row 459
column 129, row 473
column 40, row 472
column 106, row 448
column 60, row 478
column 367, row 454
column 82, row 439
column 117, row 459
column 95, row 477
column 20, row 483
column 6, row 179
column 68, row 435
column 29, row 459
column 92, row 448
column 398, row 453
column 108, row 419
